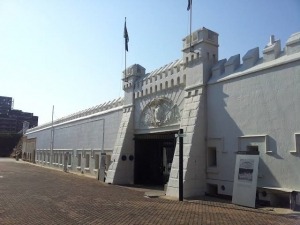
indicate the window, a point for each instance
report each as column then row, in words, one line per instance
column 297, row 144
column 79, row 160
column 172, row 83
column 87, row 161
column 255, row 143
column 212, row 157
column 97, row 161
column 69, row 159
column 60, row 158
column 166, row 84
column 107, row 161
column 252, row 149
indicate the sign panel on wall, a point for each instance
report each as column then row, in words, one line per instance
column 245, row 180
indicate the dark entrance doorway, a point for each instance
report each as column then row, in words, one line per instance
column 153, row 158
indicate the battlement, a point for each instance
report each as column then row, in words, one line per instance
column 131, row 74
column 167, row 76
column 199, row 36
column 83, row 113
column 272, row 54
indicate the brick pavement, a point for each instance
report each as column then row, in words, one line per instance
column 34, row 195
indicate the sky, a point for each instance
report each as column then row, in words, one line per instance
column 70, row 53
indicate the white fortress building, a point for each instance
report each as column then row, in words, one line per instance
column 225, row 107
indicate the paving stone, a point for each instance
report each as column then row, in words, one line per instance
column 31, row 194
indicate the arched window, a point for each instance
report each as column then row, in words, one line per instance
column 166, row 84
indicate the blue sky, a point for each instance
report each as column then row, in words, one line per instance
column 70, row 53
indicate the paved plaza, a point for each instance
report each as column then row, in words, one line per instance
column 30, row 194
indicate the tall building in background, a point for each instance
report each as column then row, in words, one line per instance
column 11, row 120
column 11, row 125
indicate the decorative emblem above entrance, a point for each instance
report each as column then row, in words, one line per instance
column 159, row 112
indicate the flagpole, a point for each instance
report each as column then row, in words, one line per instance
column 125, row 49
column 52, row 139
column 191, row 10
column 125, row 78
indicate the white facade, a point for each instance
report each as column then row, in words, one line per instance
column 257, row 105
column 81, row 138
column 224, row 107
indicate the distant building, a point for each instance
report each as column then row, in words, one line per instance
column 226, row 108
column 11, row 120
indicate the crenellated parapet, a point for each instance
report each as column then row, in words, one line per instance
column 168, row 76
column 293, row 44
column 83, row 113
column 131, row 74
column 272, row 55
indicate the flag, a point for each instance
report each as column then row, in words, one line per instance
column 189, row 5
column 126, row 36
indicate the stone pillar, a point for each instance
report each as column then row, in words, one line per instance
column 121, row 170
column 193, row 125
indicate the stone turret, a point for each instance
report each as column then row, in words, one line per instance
column 201, row 47
column 130, row 75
